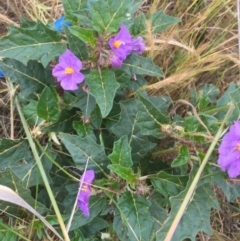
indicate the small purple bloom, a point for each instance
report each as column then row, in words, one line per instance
column 115, row 61
column 229, row 151
column 85, row 192
column 121, row 43
column 67, row 71
column 58, row 24
column 138, row 45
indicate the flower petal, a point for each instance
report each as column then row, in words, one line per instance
column 85, row 193
column 229, row 153
column 68, row 80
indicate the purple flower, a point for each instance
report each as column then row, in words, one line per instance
column 121, row 43
column 115, row 61
column 138, row 45
column 85, row 192
column 67, row 71
column 229, row 151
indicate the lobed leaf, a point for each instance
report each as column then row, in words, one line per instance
column 84, row 34
column 48, row 107
column 168, row 185
column 85, row 102
column 132, row 221
column 76, row 46
column 107, row 15
column 121, row 153
column 32, row 78
column 127, row 125
column 103, row 86
column 161, row 21
column 12, row 154
column 33, row 43
column 83, row 148
column 197, row 214
column 136, row 64
column 150, row 118
column 182, row 157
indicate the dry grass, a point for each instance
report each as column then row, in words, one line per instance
column 202, row 49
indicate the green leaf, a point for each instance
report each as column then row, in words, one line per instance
column 96, row 117
column 72, row 6
column 77, row 46
column 231, row 191
column 85, row 102
column 32, row 78
column 30, row 113
column 96, row 205
column 132, row 220
column 103, row 86
column 136, row 64
column 150, row 118
column 17, row 156
column 122, row 78
column 234, row 97
column 7, row 235
column 168, row 185
column 139, row 26
column 84, row 34
column 64, row 123
column 125, row 173
column 136, row 85
column 94, row 226
column 161, row 102
column 136, row 4
column 224, row 101
column 122, row 161
column 211, row 91
column 107, row 15
column 83, row 129
column 159, row 215
column 208, row 94
column 182, row 157
column 127, row 125
column 83, row 148
column 161, row 21
column 35, row 43
column 197, row 214
column 47, row 107
column 121, row 153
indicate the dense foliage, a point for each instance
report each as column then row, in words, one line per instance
column 145, row 157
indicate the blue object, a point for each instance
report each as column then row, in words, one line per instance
column 1, row 74
column 58, row 24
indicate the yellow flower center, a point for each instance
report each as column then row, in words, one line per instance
column 238, row 147
column 69, row 70
column 117, row 44
column 84, row 188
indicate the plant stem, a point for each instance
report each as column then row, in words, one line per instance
column 41, row 169
column 196, row 179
